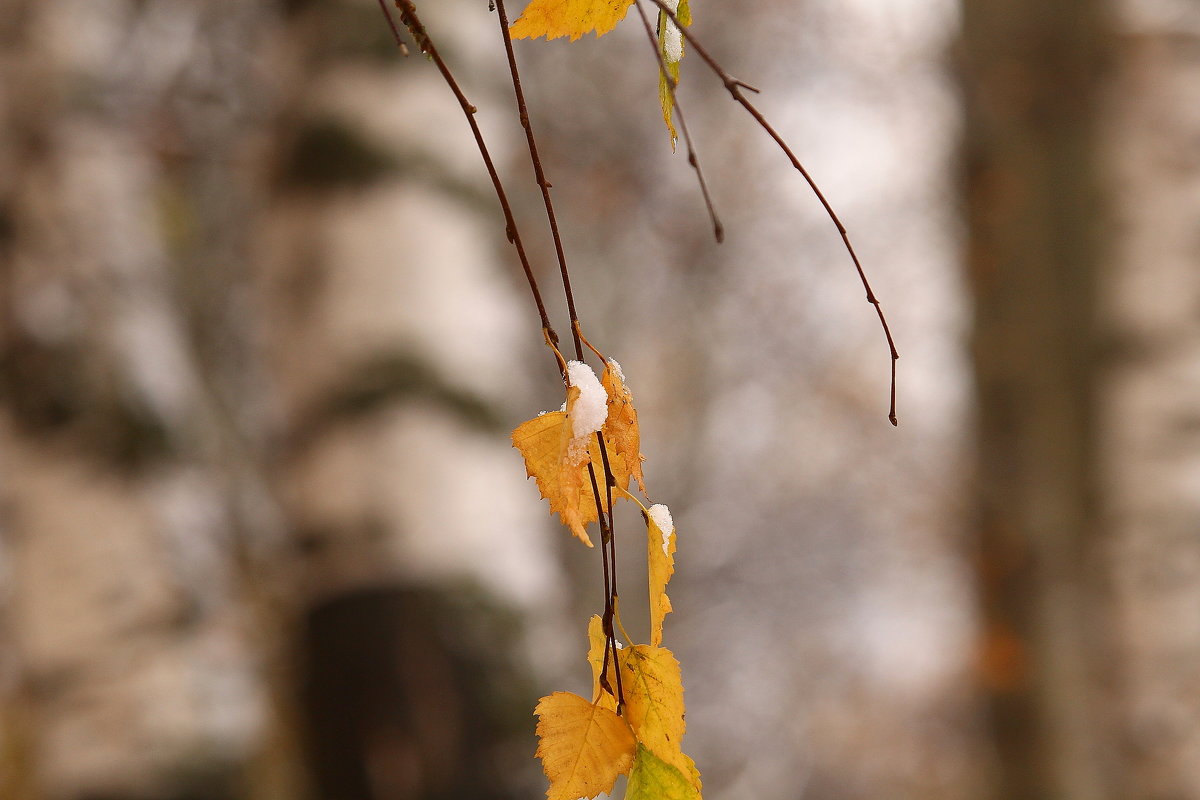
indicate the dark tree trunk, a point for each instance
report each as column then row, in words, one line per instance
column 1033, row 75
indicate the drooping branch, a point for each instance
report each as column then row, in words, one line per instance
column 539, row 174
column 735, row 88
column 410, row 20
column 608, row 542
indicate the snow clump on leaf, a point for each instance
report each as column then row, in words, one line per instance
column 661, row 515
column 672, row 36
column 590, row 409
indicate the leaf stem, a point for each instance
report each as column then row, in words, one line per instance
column 589, row 345
column 395, row 31
column 735, row 87
column 633, row 497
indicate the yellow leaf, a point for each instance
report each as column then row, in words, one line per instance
column 574, row 18
column 596, row 643
column 670, row 44
column 667, row 100
column 654, row 779
column 654, row 709
column 621, row 432
column 558, row 460
column 685, row 13
column 583, row 747
column 660, row 555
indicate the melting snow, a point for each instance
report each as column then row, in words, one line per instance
column 660, row 515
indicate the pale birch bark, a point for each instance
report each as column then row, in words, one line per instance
column 1151, row 415
column 229, row 394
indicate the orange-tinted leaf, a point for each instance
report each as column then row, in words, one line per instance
column 660, row 555
column 574, row 18
column 544, row 442
column 654, row 703
column 583, row 747
column 557, row 452
column 621, row 432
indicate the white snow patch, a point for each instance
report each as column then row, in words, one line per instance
column 616, row 367
column 672, row 37
column 591, row 407
column 660, row 515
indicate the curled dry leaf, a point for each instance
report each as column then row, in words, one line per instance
column 621, row 432
column 670, row 45
column 660, row 555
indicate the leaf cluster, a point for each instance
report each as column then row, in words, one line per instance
column 635, row 728
column 585, row 455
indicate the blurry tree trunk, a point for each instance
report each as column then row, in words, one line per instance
column 401, row 695
column 1152, row 422
column 1033, row 75
column 126, row 187
column 205, row 405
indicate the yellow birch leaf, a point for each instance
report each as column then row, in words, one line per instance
column 557, row 455
column 574, row 18
column 660, row 555
column 621, row 432
column 596, row 640
column 583, row 747
column 654, row 708
column 544, row 443
column 654, row 779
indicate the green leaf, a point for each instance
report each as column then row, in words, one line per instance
column 654, row 779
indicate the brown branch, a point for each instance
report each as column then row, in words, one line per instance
column 693, row 159
column 605, row 519
column 408, row 16
column 395, row 31
column 539, row 174
column 735, row 87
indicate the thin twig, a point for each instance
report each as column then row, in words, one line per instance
column 607, row 539
column 693, row 159
column 408, row 16
column 539, row 173
column 735, row 87
column 395, row 31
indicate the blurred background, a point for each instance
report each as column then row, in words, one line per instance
column 262, row 340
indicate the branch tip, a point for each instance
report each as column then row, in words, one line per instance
column 734, row 86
